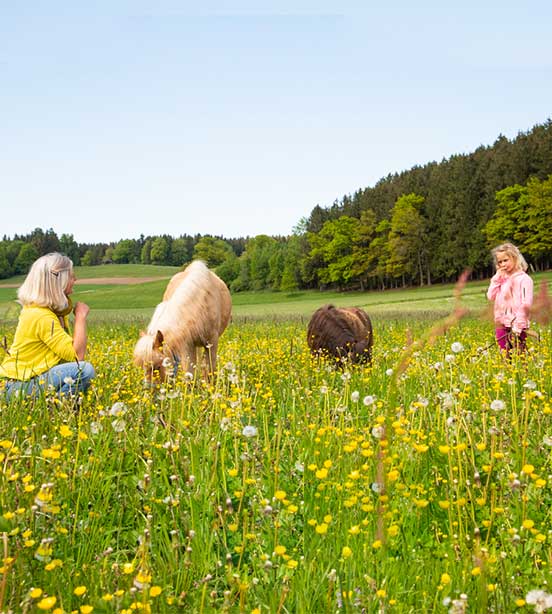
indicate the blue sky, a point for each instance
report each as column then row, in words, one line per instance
column 237, row 118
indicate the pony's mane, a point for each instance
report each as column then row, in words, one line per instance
column 143, row 352
column 185, row 305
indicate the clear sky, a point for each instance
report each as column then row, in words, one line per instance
column 126, row 117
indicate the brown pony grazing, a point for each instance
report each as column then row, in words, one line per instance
column 344, row 333
column 195, row 311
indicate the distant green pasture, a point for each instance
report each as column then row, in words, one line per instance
column 137, row 301
column 112, row 271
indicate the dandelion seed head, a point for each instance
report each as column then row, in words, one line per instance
column 117, row 408
column 498, row 405
column 249, row 431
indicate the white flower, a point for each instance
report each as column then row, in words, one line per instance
column 167, row 362
column 547, row 440
column 355, row 395
column 447, row 400
column 346, row 376
column 378, row 432
column 249, row 431
column 68, row 380
column 369, row 400
column 95, row 428
column 224, row 424
column 117, row 408
column 437, row 366
column 498, row 405
column 540, row 599
column 389, row 372
column 323, row 389
column 457, row 347
column 188, row 376
column 377, row 487
column 118, row 425
column 299, row 466
column 530, row 384
column 450, row 358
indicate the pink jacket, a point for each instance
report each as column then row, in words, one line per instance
column 513, row 297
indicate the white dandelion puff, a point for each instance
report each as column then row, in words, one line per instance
column 119, row 425
column 540, row 599
column 498, row 405
column 117, row 408
column 378, row 432
column 249, row 431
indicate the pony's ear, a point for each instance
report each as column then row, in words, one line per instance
column 158, row 341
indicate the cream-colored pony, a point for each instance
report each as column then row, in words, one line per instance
column 196, row 309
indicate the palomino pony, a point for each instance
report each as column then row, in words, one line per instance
column 343, row 333
column 195, row 311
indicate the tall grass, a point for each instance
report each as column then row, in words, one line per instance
column 419, row 483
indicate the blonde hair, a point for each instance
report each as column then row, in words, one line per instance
column 511, row 250
column 46, row 282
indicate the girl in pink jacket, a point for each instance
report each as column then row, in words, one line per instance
column 511, row 289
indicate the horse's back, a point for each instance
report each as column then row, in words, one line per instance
column 201, row 289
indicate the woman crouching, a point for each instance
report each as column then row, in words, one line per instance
column 43, row 354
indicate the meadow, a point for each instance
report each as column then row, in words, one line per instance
column 421, row 483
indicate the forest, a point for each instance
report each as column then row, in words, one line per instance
column 421, row 226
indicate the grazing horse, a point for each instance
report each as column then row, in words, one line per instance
column 195, row 311
column 342, row 333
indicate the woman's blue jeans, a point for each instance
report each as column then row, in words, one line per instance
column 67, row 378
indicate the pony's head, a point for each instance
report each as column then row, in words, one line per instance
column 149, row 355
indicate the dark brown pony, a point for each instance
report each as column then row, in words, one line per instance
column 343, row 333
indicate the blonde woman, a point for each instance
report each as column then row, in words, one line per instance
column 511, row 289
column 43, row 354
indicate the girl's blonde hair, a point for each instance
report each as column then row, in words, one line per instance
column 45, row 283
column 511, row 250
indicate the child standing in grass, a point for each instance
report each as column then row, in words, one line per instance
column 44, row 354
column 511, row 289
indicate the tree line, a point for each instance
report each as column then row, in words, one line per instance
column 420, row 226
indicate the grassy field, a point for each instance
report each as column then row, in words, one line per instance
column 419, row 483
column 110, row 301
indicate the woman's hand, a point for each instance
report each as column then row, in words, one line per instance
column 81, row 310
